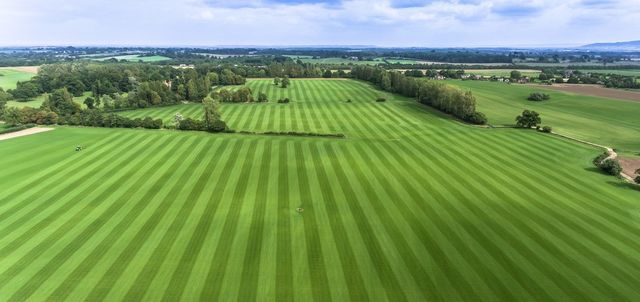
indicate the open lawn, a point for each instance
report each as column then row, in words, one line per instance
column 135, row 58
column 37, row 101
column 411, row 206
column 9, row 77
column 604, row 121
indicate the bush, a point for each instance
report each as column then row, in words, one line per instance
column 538, row 97
column 596, row 161
column 611, row 167
column 191, row 124
column 283, row 101
column 219, row 126
column 381, row 99
column 477, row 118
column 637, row 180
column 547, row 129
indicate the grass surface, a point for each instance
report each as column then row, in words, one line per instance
column 9, row 78
column 136, row 58
column 410, row 207
column 532, row 73
column 37, row 101
column 604, row 121
column 624, row 72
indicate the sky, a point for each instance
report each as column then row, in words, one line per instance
column 385, row 23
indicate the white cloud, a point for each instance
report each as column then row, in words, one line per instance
column 269, row 22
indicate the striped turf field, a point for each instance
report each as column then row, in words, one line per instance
column 409, row 207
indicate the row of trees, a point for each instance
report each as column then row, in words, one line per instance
column 438, row 95
column 241, row 95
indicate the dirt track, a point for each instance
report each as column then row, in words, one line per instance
column 629, row 165
column 24, row 132
column 595, row 90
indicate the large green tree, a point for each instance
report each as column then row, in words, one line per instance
column 61, row 102
column 528, row 119
column 212, row 117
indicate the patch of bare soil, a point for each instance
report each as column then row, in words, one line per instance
column 595, row 90
column 29, row 69
column 24, row 132
column 629, row 165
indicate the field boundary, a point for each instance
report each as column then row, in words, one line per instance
column 610, row 151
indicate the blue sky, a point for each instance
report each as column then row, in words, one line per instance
column 428, row 23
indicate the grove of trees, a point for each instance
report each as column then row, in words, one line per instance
column 435, row 94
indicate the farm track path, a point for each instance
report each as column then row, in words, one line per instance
column 24, row 132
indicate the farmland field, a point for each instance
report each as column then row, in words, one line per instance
column 9, row 77
column 503, row 72
column 605, row 121
column 136, row 58
column 624, row 72
column 411, row 206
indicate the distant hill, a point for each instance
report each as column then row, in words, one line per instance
column 630, row 45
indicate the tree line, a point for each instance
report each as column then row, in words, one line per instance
column 435, row 94
column 128, row 85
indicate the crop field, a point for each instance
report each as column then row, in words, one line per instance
column 411, row 206
column 9, row 77
column 136, row 58
column 604, row 121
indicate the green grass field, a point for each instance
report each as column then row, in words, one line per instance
column 532, row 73
column 136, row 58
column 411, row 206
column 37, row 101
column 624, row 72
column 604, row 121
column 9, row 78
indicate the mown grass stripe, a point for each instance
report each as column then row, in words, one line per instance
column 315, row 258
column 217, row 268
column 383, row 268
column 250, row 272
column 50, row 207
column 180, row 276
column 45, row 178
column 105, row 284
column 161, row 153
column 56, row 262
column 284, row 271
column 143, row 280
column 350, row 269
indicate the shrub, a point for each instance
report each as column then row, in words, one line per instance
column 611, row 167
column 547, row 129
column 477, row 118
column 219, row 126
column 637, row 180
column 283, row 101
column 381, row 99
column 598, row 160
column 538, row 97
column 262, row 97
column 191, row 124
